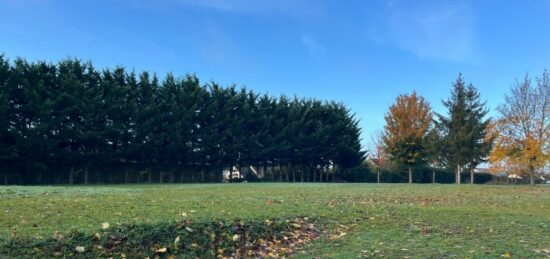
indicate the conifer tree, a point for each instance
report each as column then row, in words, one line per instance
column 62, row 121
column 464, row 129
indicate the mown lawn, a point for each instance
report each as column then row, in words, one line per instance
column 363, row 220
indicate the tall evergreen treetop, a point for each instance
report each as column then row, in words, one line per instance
column 464, row 129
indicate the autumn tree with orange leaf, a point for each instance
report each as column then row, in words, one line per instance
column 522, row 133
column 407, row 124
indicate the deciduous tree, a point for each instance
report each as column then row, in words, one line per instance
column 522, row 133
column 407, row 124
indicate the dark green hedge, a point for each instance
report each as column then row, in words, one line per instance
column 365, row 173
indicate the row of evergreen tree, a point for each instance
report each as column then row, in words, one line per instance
column 71, row 123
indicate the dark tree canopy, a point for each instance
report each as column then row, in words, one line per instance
column 69, row 122
column 464, row 129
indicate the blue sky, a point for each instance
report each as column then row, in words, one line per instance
column 363, row 53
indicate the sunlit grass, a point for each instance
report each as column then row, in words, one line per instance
column 393, row 220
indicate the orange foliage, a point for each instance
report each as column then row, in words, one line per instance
column 409, row 118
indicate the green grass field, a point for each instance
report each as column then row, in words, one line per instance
column 361, row 220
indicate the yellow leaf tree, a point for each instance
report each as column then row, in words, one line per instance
column 407, row 124
column 522, row 133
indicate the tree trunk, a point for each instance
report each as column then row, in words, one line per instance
column 126, row 175
column 287, row 174
column 410, row 175
column 182, row 176
column 531, row 176
column 86, row 175
column 378, row 176
column 472, row 176
column 71, row 176
column 239, row 169
column 458, row 178
column 149, row 175
column 256, row 170
column 264, row 170
column 97, row 176
column 433, row 174
column 314, row 178
column 293, row 174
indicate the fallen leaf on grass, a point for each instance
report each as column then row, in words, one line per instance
column 296, row 225
column 337, row 236
column 57, row 235
column 543, row 251
column 162, row 250
column 177, row 241
column 425, row 231
column 105, row 225
column 235, row 237
column 80, row 249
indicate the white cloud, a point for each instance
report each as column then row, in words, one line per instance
column 439, row 31
column 295, row 8
column 314, row 47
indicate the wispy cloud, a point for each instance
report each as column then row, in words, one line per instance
column 296, row 8
column 439, row 31
column 313, row 46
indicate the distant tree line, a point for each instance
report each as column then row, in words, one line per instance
column 371, row 173
column 72, row 123
column 515, row 144
column 458, row 141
